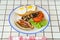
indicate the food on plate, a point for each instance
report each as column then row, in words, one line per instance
column 38, row 24
column 27, row 17
column 31, row 8
column 21, row 10
column 39, row 17
column 30, row 18
column 26, row 10
column 24, row 25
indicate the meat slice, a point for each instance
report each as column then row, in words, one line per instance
column 24, row 25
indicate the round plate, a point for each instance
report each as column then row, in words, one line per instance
column 13, row 17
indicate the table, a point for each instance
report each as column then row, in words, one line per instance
column 52, row 6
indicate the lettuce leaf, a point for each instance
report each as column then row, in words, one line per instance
column 44, row 22
column 38, row 24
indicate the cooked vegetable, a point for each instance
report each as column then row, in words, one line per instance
column 32, row 15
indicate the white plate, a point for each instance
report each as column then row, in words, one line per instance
column 13, row 17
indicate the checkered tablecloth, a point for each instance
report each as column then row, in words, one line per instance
column 53, row 8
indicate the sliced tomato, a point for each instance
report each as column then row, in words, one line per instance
column 39, row 17
column 36, row 19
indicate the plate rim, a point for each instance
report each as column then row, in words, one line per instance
column 31, row 32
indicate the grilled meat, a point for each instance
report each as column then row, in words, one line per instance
column 24, row 25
